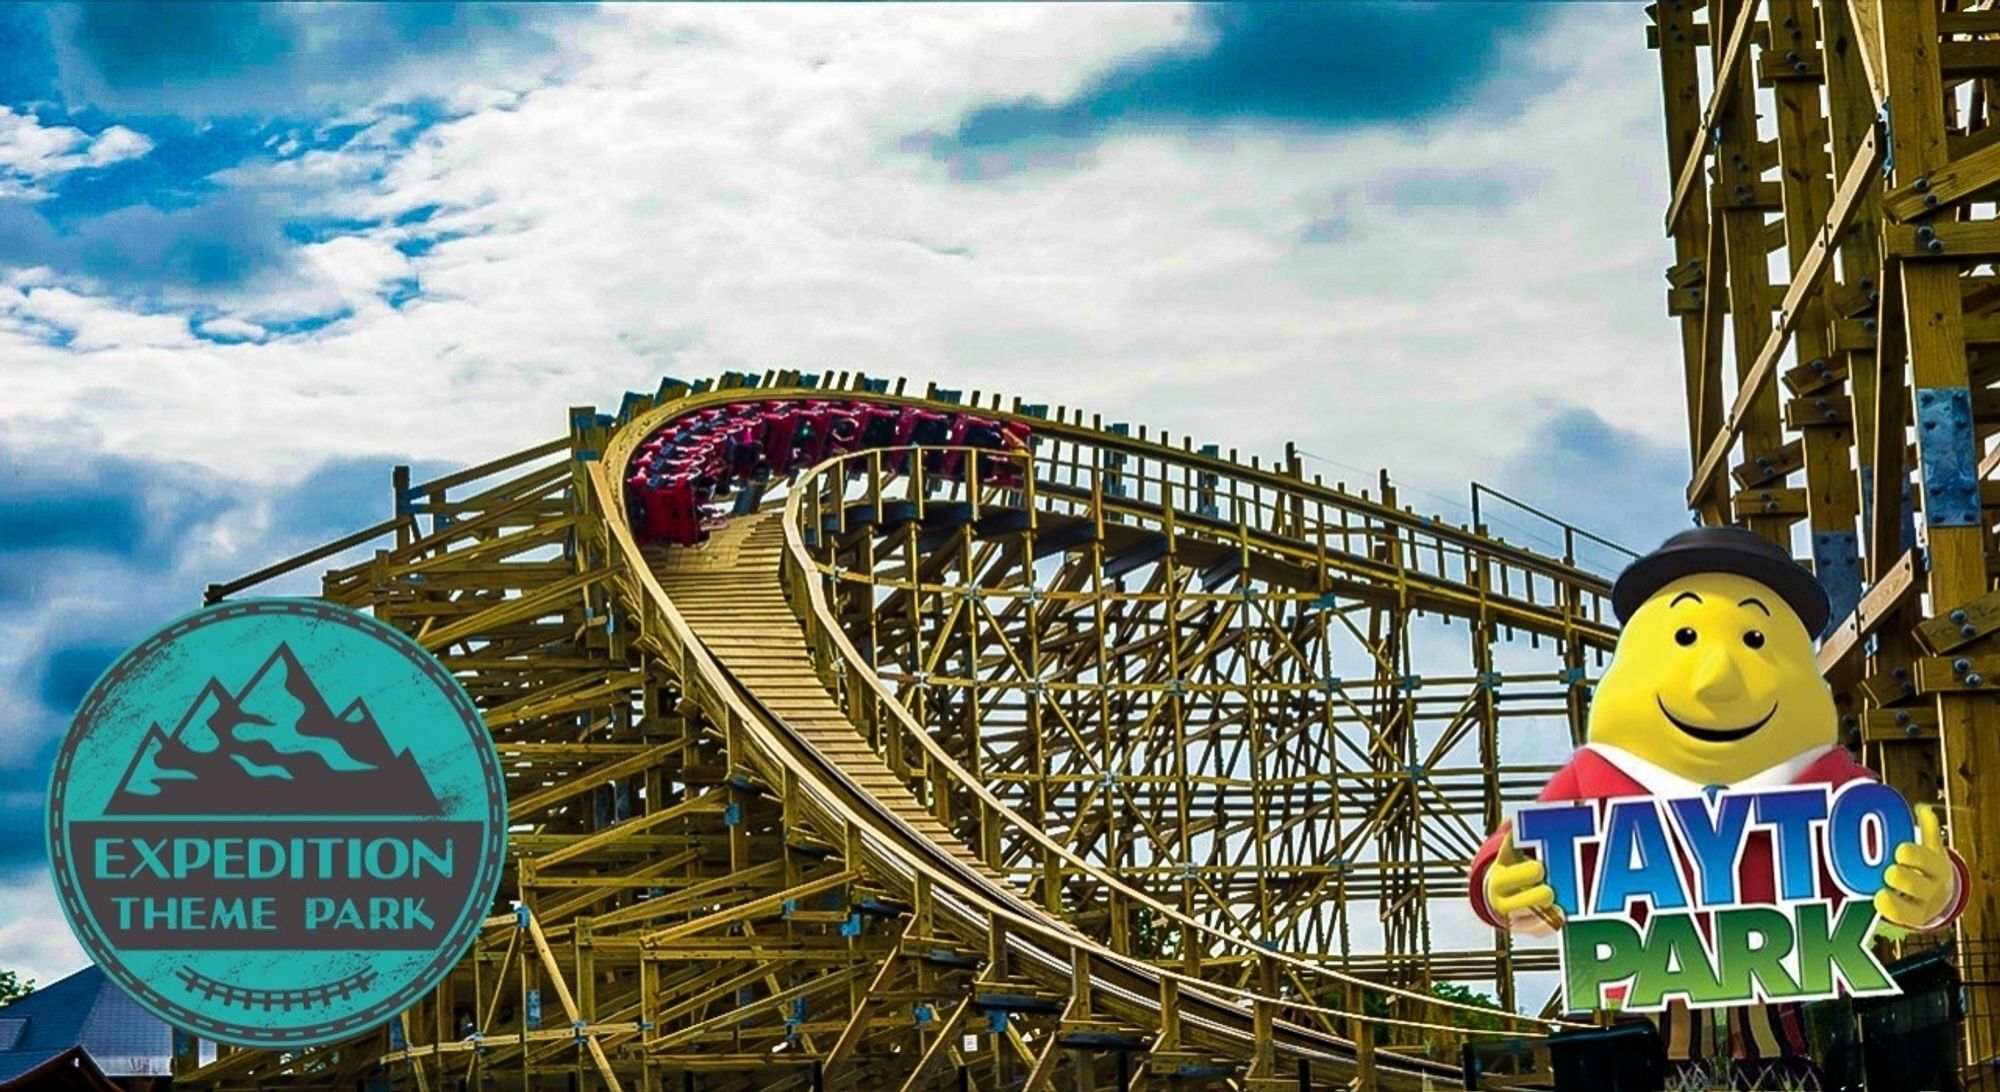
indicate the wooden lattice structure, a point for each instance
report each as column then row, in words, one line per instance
column 1833, row 166
column 1142, row 765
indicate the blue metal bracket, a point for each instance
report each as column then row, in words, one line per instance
column 1837, row 563
column 732, row 814
column 1033, row 409
column 996, row 1021
column 946, row 394
column 1489, row 680
column 1411, row 682
column 923, row 1014
column 875, row 386
column 521, row 913
column 532, row 1018
column 1949, row 456
column 852, row 926
column 1330, row 683
column 1572, row 676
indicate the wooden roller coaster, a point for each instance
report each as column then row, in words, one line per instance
column 1834, row 166
column 1104, row 762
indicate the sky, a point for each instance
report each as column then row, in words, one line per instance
column 253, row 256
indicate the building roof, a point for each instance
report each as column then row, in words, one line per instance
column 87, row 1010
column 62, row 1071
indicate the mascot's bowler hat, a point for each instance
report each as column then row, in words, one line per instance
column 1722, row 550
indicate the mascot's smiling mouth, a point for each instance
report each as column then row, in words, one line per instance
column 1713, row 735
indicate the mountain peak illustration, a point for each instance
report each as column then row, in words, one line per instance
column 273, row 747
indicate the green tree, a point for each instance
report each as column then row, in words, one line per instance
column 12, row 988
column 1466, row 995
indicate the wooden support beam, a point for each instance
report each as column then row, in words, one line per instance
column 1728, row 71
column 1859, row 175
column 1968, row 723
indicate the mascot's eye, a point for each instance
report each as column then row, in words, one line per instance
column 1754, row 638
column 1685, row 635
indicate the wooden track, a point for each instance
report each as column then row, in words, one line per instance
column 753, row 856
column 733, row 597
column 731, row 593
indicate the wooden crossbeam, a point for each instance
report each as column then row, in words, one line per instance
column 1728, row 71
column 660, row 938
column 1859, row 176
column 583, row 781
column 507, row 611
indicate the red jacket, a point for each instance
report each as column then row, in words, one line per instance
column 1589, row 775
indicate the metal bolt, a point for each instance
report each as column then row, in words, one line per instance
column 1961, row 665
column 1925, row 231
column 1958, row 616
column 1902, row 717
column 1921, row 185
column 1930, row 200
column 1967, row 630
column 1818, row 364
column 1972, row 679
column 1868, row 325
column 1910, row 730
column 1935, row 246
column 1900, row 673
column 1867, row 282
column 1792, row 56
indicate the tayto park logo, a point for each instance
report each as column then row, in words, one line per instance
column 277, row 822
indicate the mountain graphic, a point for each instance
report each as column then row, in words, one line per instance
column 274, row 748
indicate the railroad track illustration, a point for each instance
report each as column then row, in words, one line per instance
column 269, row 1000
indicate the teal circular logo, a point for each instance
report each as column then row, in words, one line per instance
column 277, row 822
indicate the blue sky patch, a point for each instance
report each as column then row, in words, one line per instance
column 219, row 86
column 106, row 520
column 253, row 59
column 1309, row 65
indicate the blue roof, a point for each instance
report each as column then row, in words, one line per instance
column 88, row 1010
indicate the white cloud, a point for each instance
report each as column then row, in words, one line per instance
column 232, row 329
column 35, row 941
column 32, row 153
column 710, row 190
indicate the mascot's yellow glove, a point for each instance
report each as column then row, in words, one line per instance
column 1918, row 887
column 1517, row 889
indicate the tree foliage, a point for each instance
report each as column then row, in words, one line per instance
column 13, row 987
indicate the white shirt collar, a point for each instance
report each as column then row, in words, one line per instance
column 1666, row 783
